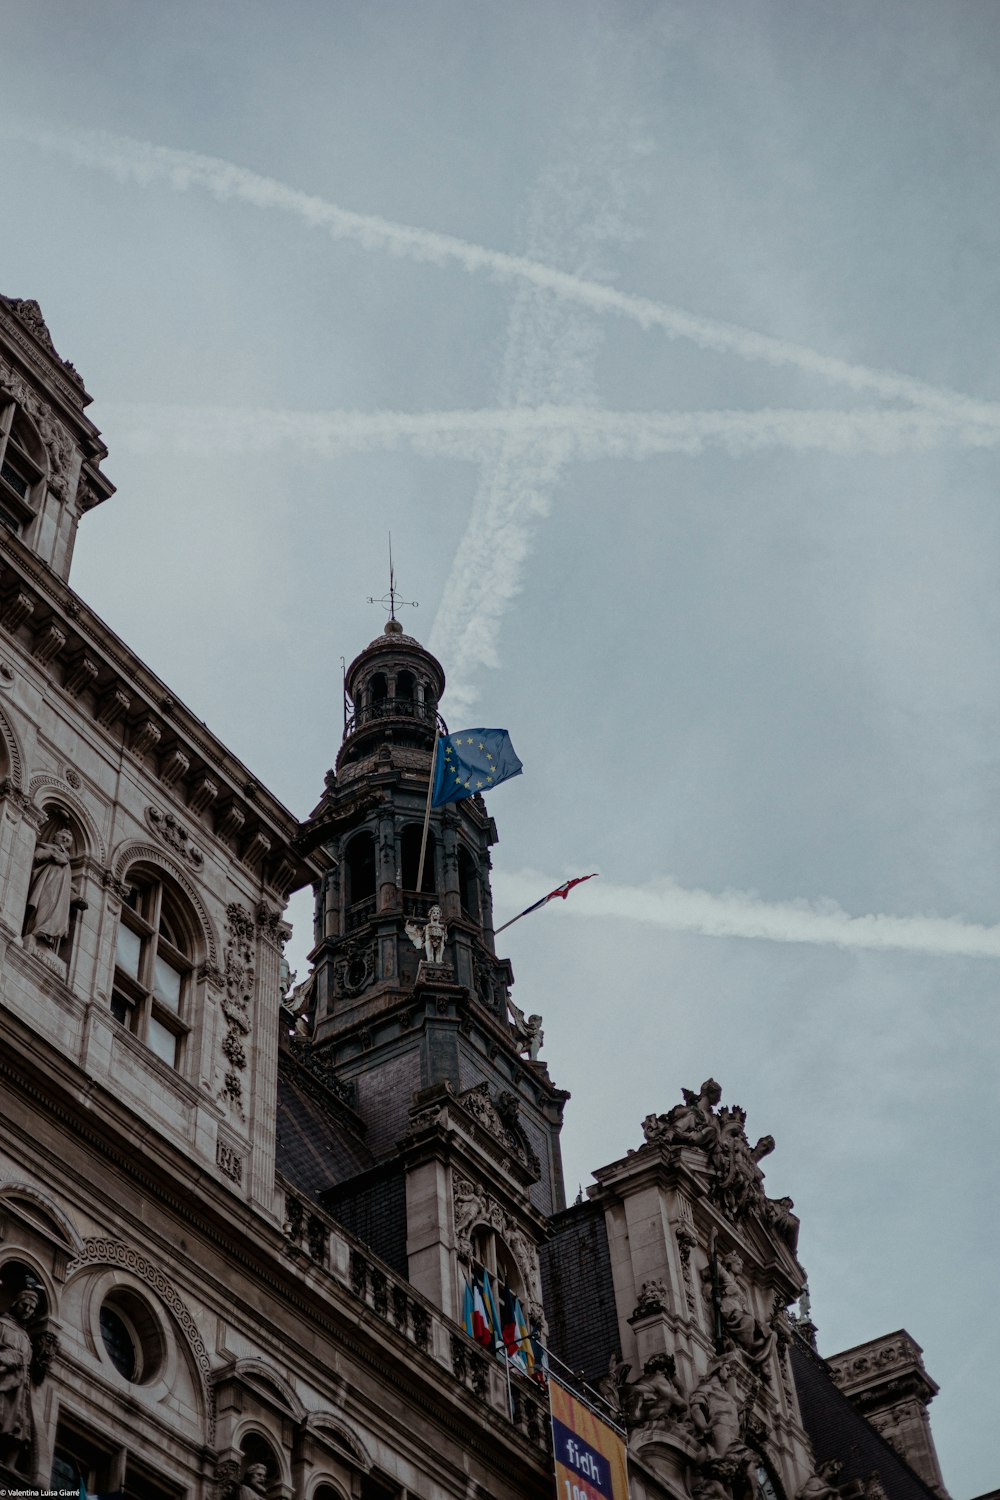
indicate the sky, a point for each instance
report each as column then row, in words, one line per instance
column 660, row 336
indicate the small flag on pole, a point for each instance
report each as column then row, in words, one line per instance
column 474, row 760
column 560, row 890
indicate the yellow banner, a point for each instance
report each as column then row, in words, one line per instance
column 589, row 1455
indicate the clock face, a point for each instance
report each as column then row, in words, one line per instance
column 764, row 1488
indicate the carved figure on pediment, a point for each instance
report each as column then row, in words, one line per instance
column 708, row 1486
column 16, row 1357
column 738, row 1322
column 818, row 1486
column 51, row 896
column 471, row 1208
column 614, row 1385
column 430, row 935
column 739, row 1179
column 778, row 1213
column 715, row 1411
column 693, row 1123
column 656, row 1396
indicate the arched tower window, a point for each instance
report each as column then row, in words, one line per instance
column 22, row 468
column 410, row 851
column 404, row 690
column 154, row 960
column 378, row 691
column 468, row 884
column 360, row 868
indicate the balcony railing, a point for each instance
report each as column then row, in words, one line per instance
column 384, row 710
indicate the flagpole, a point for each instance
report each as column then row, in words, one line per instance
column 497, row 930
column 427, row 811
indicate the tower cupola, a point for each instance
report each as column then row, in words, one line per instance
column 394, row 686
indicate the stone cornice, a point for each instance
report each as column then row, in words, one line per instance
column 125, row 699
column 39, row 355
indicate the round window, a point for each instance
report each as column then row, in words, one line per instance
column 131, row 1337
column 120, row 1343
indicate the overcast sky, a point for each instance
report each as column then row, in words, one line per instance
column 662, row 337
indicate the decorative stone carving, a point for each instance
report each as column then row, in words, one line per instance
column 229, row 1161
column 653, row 1298
column 174, row 766
column 166, row 826
column 227, row 1474
column 686, row 1241
column 354, row 967
column 737, row 1180
column 739, row 1326
column 81, row 674
column 18, row 607
column 270, row 926
column 656, row 1397
column 114, row 705
column 253, row 1485
column 715, row 1415
column 474, row 1206
column 240, row 975
column 52, row 896
column 146, row 735
column 48, row 643
column 430, row 935
column 614, row 1384
column 818, row 1486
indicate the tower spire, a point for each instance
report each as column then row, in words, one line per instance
column 390, row 600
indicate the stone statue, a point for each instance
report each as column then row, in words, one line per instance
column 738, row 1322
column 16, row 1355
column 51, row 896
column 253, row 1485
column 818, row 1486
column 778, row 1212
column 656, row 1395
column 534, row 1038
column 715, row 1410
column 471, row 1209
column 653, row 1298
column 614, row 1385
column 430, row 935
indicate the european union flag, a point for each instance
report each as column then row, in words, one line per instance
column 470, row 762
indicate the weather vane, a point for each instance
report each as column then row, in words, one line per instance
column 391, row 599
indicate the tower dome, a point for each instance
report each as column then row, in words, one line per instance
column 394, row 686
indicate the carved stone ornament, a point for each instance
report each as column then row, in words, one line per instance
column 271, row 927
column 430, row 935
column 653, row 1298
column 166, row 826
column 240, row 977
column 656, row 1398
column 229, row 1160
column 737, row 1182
column 58, row 444
column 740, row 1328
column 474, row 1206
column 818, row 1486
column 478, row 1103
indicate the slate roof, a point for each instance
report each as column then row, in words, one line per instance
column 578, row 1292
column 317, row 1144
column 837, row 1430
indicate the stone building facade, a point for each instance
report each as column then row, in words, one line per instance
column 240, row 1221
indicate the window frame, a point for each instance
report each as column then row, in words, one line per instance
column 18, row 511
column 136, row 1002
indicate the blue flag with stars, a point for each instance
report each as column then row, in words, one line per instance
column 472, row 761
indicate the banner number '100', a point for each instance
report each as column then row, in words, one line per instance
column 589, row 1455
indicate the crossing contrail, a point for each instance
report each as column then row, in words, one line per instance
column 738, row 914
column 142, row 162
column 561, row 432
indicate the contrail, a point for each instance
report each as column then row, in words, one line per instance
column 738, row 914
column 132, row 160
column 555, row 433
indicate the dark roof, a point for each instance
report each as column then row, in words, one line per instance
column 317, row 1144
column 578, row 1291
column 837, row 1430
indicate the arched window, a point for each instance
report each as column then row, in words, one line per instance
column 22, row 467
column 410, row 852
column 153, row 964
column 404, row 691
column 468, row 884
column 360, row 868
column 378, row 691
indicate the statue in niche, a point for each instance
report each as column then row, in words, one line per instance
column 16, row 1356
column 253, row 1485
column 738, row 1322
column 430, row 935
column 614, row 1385
column 52, row 896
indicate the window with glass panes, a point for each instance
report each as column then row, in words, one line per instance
column 152, row 968
column 22, row 460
